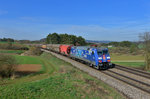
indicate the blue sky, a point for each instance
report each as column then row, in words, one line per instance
column 114, row 20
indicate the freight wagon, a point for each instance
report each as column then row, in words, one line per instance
column 65, row 49
column 53, row 47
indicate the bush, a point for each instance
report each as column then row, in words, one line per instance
column 125, row 44
column 35, row 51
column 133, row 48
column 7, row 65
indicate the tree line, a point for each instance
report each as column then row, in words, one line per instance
column 56, row 38
column 121, row 44
column 6, row 40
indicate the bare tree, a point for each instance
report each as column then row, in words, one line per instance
column 145, row 37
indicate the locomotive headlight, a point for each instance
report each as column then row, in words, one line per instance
column 108, row 57
column 100, row 58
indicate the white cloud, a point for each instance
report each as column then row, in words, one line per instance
column 95, row 32
column 91, row 32
column 127, row 30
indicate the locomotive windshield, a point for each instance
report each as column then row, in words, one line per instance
column 102, row 52
column 105, row 51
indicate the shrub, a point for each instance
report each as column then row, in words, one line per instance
column 125, row 44
column 7, row 65
column 133, row 48
column 35, row 51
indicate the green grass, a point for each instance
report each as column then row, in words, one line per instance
column 123, row 57
column 60, row 81
column 135, row 61
column 12, row 51
column 131, row 64
column 46, row 69
column 28, row 59
column 1, row 42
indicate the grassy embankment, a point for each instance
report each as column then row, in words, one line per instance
column 136, row 61
column 58, row 80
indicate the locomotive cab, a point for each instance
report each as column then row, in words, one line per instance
column 104, row 60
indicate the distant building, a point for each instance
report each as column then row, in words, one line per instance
column 109, row 46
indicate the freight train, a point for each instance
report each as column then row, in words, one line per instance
column 98, row 58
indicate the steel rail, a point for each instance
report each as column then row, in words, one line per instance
column 134, row 71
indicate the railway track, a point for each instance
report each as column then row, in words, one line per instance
column 134, row 71
column 126, row 79
column 131, row 81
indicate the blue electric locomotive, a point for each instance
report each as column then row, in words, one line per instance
column 97, row 57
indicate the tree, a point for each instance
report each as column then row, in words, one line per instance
column 125, row 44
column 7, row 40
column 48, row 39
column 73, row 39
column 114, row 43
column 81, row 40
column 64, row 39
column 133, row 48
column 53, row 39
column 7, row 65
column 145, row 37
column 68, row 39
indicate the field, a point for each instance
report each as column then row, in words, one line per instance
column 1, row 42
column 131, row 64
column 58, row 80
column 28, row 59
column 11, row 51
column 136, row 61
column 126, row 57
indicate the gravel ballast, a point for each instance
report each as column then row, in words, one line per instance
column 127, row 90
column 140, row 78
